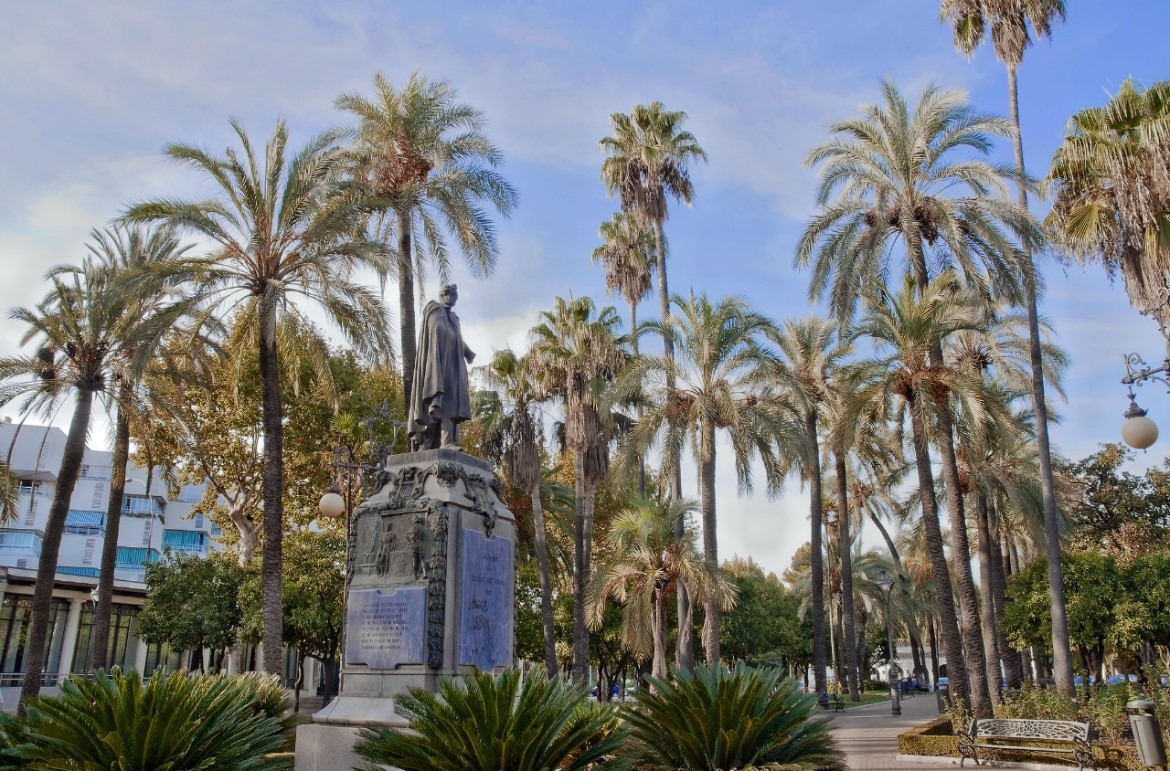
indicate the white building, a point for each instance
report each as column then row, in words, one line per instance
column 150, row 524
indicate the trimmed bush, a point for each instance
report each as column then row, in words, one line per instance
column 729, row 719
column 175, row 722
column 493, row 723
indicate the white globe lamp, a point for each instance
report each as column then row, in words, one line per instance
column 332, row 505
column 1138, row 431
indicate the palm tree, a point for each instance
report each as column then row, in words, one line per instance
column 906, row 329
column 513, row 375
column 1111, row 201
column 645, row 566
column 282, row 228
column 431, row 168
column 129, row 253
column 83, row 328
column 714, row 382
column 627, row 256
column 574, row 353
column 811, row 352
column 1012, row 23
column 895, row 172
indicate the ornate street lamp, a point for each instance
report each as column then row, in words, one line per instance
column 345, row 461
column 887, row 585
column 1139, row 431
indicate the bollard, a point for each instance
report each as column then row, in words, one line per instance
column 1147, row 734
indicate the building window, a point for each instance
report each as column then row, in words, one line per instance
column 141, row 506
column 85, row 522
column 133, row 558
column 20, row 542
column 120, row 652
column 199, row 521
column 185, row 540
column 14, row 613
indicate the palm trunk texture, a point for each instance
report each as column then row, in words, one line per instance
column 1061, row 655
column 816, row 555
column 101, row 621
column 710, row 545
column 406, row 304
column 580, row 670
column 71, row 458
column 272, row 556
column 546, row 607
column 987, row 607
column 846, row 556
column 944, row 598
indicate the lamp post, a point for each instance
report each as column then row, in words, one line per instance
column 95, row 597
column 1139, row 431
column 887, row 585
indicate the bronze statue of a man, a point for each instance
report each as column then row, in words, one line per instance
column 439, row 396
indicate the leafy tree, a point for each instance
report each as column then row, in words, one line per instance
column 430, row 167
column 192, row 603
column 764, row 627
column 282, row 227
column 1122, row 513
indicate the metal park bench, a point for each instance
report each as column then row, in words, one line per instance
column 1054, row 737
column 833, row 701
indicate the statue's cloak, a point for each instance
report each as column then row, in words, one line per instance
column 439, row 389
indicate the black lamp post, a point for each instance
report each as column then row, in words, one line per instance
column 1139, row 431
column 887, row 585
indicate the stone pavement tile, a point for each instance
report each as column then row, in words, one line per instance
column 869, row 735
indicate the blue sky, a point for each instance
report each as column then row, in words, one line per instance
column 91, row 91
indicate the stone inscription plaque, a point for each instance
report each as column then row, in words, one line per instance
column 384, row 631
column 486, row 598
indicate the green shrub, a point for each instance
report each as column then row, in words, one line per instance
column 493, row 723
column 729, row 719
column 176, row 722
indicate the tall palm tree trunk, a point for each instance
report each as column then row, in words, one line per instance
column 580, row 669
column 658, row 667
column 816, row 555
column 42, row 599
column 944, row 598
column 886, row 537
column 546, row 607
column 406, row 303
column 272, row 556
column 846, row 557
column 932, row 633
column 710, row 545
column 1013, row 669
column 685, row 651
column 101, row 621
column 987, row 607
column 634, row 351
column 1061, row 655
column 980, row 696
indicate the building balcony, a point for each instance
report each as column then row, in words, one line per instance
column 194, row 541
column 21, row 542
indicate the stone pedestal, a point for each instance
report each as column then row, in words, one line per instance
column 431, row 594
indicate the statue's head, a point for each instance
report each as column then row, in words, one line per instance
column 449, row 294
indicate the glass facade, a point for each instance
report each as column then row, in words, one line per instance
column 141, row 506
column 14, row 613
column 121, row 652
column 20, row 542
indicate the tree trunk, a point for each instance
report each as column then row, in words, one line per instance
column 546, row 607
column 1061, row 658
column 886, row 537
column 271, row 566
column 933, row 649
column 249, row 534
column 844, row 548
column 580, row 670
column 711, row 610
column 685, row 650
column 658, row 668
column 1013, row 670
column 816, row 554
column 42, row 599
column 987, row 607
column 105, row 604
column 944, row 598
column 300, row 681
column 979, row 695
column 406, row 304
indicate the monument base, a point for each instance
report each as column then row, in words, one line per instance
column 327, row 744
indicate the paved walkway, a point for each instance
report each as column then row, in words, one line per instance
column 869, row 735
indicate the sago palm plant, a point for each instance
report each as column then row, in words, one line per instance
column 729, row 719
column 497, row 723
column 175, row 721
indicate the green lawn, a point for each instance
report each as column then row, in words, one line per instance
column 868, row 697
